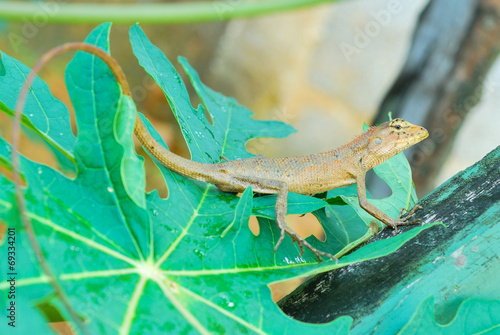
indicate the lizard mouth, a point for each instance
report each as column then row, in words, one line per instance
column 422, row 134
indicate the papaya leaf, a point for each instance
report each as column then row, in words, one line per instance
column 44, row 114
column 131, row 262
column 347, row 225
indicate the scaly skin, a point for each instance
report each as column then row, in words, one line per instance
column 303, row 174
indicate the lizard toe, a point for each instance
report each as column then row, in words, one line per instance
column 282, row 237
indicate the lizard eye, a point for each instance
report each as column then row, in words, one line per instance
column 398, row 127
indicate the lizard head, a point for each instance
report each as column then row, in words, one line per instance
column 390, row 138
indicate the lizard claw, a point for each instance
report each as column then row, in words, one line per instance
column 409, row 213
column 282, row 237
column 403, row 218
column 299, row 243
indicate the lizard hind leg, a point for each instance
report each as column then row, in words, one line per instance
column 269, row 186
column 281, row 209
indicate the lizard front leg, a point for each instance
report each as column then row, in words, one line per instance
column 281, row 189
column 377, row 213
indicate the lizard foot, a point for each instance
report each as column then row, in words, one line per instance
column 410, row 213
column 403, row 218
column 301, row 242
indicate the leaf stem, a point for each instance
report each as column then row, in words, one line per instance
column 147, row 13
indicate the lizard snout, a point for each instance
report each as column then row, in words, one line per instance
column 423, row 133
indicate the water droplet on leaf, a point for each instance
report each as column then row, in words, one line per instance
column 225, row 301
column 199, row 253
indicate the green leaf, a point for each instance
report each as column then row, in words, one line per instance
column 348, row 226
column 474, row 316
column 43, row 114
column 343, row 227
column 232, row 126
column 135, row 262
column 397, row 174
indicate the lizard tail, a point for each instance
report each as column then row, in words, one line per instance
column 186, row 167
column 196, row 170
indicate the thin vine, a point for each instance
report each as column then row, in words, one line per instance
column 28, row 226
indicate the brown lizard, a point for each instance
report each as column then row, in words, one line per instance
column 303, row 174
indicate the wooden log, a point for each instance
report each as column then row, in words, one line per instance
column 454, row 263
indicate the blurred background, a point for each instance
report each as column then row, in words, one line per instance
column 324, row 69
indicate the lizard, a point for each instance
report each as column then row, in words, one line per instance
column 307, row 175
column 310, row 174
